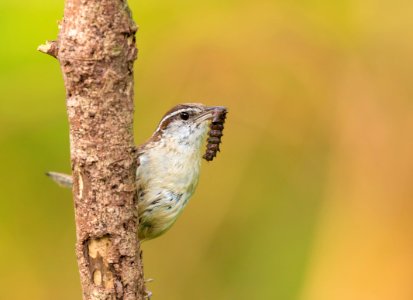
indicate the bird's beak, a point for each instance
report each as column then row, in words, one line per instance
column 213, row 113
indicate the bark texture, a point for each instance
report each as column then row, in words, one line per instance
column 96, row 50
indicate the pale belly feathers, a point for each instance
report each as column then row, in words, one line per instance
column 165, row 183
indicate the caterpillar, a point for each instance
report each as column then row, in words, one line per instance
column 215, row 134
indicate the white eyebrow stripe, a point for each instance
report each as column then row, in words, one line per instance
column 174, row 114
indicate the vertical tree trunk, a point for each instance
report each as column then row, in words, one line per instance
column 96, row 50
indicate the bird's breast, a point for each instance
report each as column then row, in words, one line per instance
column 165, row 184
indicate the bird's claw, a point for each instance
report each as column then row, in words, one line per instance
column 148, row 295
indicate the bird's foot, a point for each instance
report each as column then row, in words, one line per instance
column 148, row 295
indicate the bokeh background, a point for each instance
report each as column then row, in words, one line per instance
column 311, row 196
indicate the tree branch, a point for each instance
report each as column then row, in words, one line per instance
column 96, row 50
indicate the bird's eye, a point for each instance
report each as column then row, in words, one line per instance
column 184, row 115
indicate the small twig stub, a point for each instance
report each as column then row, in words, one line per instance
column 50, row 47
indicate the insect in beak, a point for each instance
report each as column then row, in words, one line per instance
column 217, row 115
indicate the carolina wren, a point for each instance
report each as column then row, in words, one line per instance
column 169, row 165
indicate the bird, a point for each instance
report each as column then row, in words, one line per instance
column 169, row 164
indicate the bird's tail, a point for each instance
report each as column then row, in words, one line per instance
column 63, row 180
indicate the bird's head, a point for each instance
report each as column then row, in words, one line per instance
column 187, row 124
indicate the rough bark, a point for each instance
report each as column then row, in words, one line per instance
column 96, row 50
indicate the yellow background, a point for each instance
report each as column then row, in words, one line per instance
column 311, row 196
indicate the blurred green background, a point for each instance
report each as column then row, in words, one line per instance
column 311, row 196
